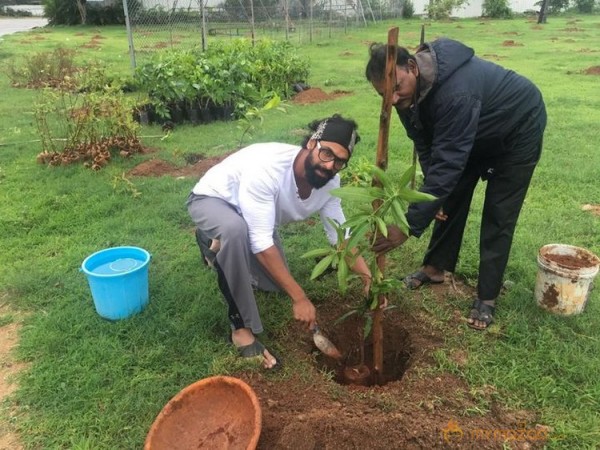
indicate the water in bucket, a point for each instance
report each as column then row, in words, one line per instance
column 118, row 280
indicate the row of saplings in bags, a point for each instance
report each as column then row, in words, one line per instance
column 221, row 83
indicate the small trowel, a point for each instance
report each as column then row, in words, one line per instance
column 324, row 344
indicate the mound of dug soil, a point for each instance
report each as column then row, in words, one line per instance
column 316, row 95
column 421, row 409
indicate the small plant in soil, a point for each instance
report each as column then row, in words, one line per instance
column 87, row 127
column 390, row 202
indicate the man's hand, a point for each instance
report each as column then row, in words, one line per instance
column 305, row 312
column 441, row 216
column 394, row 239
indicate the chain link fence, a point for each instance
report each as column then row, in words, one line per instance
column 186, row 24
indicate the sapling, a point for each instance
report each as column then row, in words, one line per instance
column 358, row 234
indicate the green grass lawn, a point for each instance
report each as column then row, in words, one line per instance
column 95, row 384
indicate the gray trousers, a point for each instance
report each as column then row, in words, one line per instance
column 238, row 270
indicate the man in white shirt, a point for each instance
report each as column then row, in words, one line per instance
column 238, row 205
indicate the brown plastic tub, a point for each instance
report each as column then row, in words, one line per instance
column 214, row 413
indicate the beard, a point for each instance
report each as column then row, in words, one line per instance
column 316, row 179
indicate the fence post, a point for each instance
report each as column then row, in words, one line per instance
column 203, row 24
column 129, row 36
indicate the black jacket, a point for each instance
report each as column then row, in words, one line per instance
column 471, row 111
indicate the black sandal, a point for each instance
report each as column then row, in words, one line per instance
column 421, row 277
column 482, row 312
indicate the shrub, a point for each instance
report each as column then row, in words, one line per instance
column 408, row 9
column 496, row 9
column 228, row 73
column 442, row 9
column 585, row 6
column 65, row 12
column 43, row 69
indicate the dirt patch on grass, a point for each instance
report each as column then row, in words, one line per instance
column 9, row 369
column 317, row 95
column 197, row 166
column 593, row 209
column 595, row 70
column 511, row 43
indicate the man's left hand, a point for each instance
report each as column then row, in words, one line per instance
column 395, row 238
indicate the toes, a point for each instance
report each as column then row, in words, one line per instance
column 269, row 360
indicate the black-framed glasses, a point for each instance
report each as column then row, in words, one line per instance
column 327, row 155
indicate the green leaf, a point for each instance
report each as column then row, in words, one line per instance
column 374, row 303
column 400, row 216
column 367, row 326
column 381, row 226
column 358, row 234
column 345, row 316
column 355, row 193
column 318, row 252
column 357, row 220
column 342, row 275
column 415, row 196
column 273, row 103
column 321, row 266
column 407, row 176
column 382, row 177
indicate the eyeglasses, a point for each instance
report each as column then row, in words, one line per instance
column 327, row 155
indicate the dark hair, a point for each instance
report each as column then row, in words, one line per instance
column 336, row 117
column 375, row 71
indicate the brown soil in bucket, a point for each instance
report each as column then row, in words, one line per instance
column 580, row 260
column 214, row 413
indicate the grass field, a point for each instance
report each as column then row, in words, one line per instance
column 93, row 384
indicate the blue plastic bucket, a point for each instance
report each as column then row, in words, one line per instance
column 118, row 279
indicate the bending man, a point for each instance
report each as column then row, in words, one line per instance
column 238, row 205
column 469, row 119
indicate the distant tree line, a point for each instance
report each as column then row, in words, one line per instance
column 82, row 12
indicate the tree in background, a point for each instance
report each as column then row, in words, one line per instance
column 496, row 9
column 442, row 9
column 585, row 6
column 82, row 12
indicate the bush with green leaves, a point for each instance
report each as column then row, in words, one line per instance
column 42, row 69
column 392, row 200
column 442, row 9
column 233, row 73
column 586, row 6
column 67, row 12
column 408, row 9
column 496, row 9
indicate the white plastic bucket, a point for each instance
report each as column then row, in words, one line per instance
column 564, row 278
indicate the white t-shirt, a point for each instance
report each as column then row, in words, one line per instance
column 259, row 182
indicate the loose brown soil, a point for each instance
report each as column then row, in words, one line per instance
column 595, row 70
column 417, row 408
column 158, row 167
column 9, row 369
column 317, row 95
column 580, row 260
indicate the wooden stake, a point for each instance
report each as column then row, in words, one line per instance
column 382, row 162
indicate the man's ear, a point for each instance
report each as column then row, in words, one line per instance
column 412, row 66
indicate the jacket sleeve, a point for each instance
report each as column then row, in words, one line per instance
column 455, row 121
